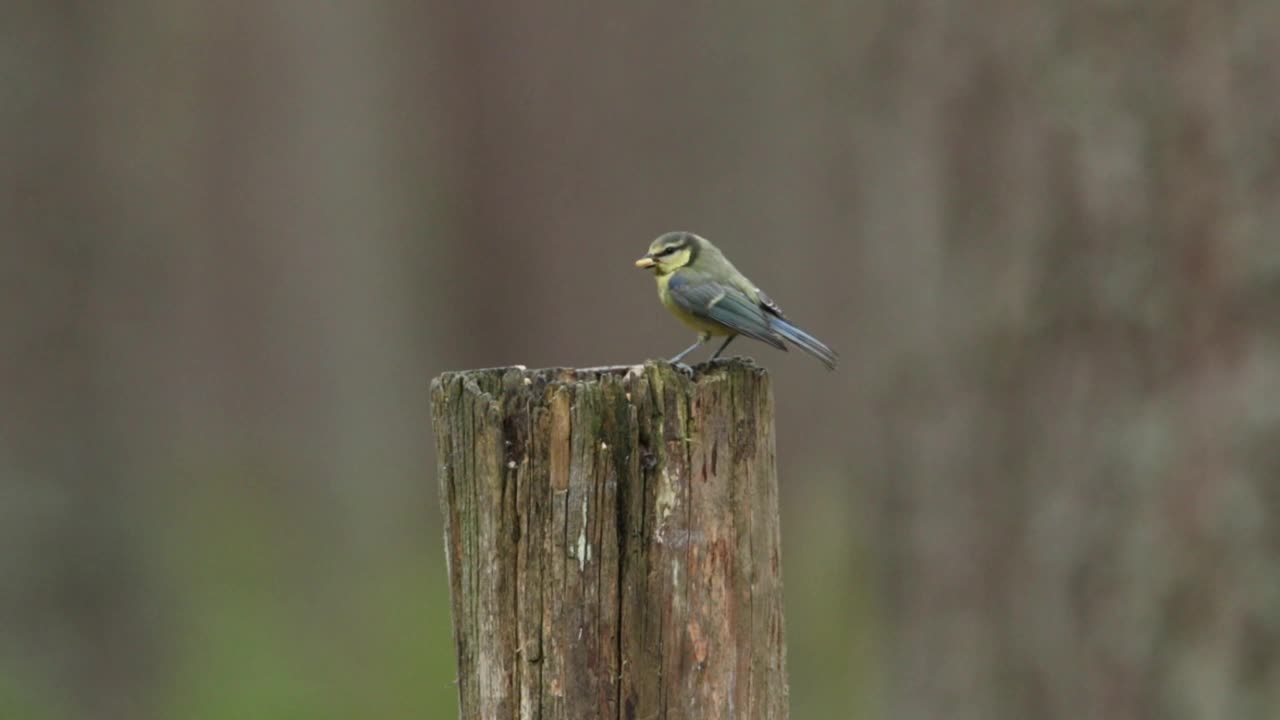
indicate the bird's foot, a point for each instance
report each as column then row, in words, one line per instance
column 688, row 371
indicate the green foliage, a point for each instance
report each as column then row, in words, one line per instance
column 19, row 699
column 279, row 626
column 832, row 624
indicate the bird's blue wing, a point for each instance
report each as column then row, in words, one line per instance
column 722, row 304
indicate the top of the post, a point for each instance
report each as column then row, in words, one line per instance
column 513, row 377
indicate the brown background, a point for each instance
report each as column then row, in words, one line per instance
column 238, row 239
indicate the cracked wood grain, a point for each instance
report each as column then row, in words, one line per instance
column 613, row 542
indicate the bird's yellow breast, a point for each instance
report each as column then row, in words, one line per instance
column 689, row 319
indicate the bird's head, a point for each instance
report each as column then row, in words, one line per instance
column 670, row 252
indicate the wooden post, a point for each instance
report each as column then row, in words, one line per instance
column 613, row 545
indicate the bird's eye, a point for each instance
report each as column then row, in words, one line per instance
column 667, row 251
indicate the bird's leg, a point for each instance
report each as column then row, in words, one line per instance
column 701, row 339
column 723, row 345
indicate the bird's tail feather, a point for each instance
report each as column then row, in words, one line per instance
column 805, row 342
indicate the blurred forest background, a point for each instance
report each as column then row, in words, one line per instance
column 237, row 240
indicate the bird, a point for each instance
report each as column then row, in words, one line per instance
column 699, row 285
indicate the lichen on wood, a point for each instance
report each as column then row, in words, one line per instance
column 613, row 541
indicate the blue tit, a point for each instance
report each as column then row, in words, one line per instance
column 706, row 292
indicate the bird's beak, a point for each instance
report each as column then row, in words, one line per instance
column 645, row 262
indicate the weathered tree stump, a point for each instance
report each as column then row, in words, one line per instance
column 613, row 542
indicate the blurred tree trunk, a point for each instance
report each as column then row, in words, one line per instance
column 212, row 235
column 1077, row 469
column 77, row 619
